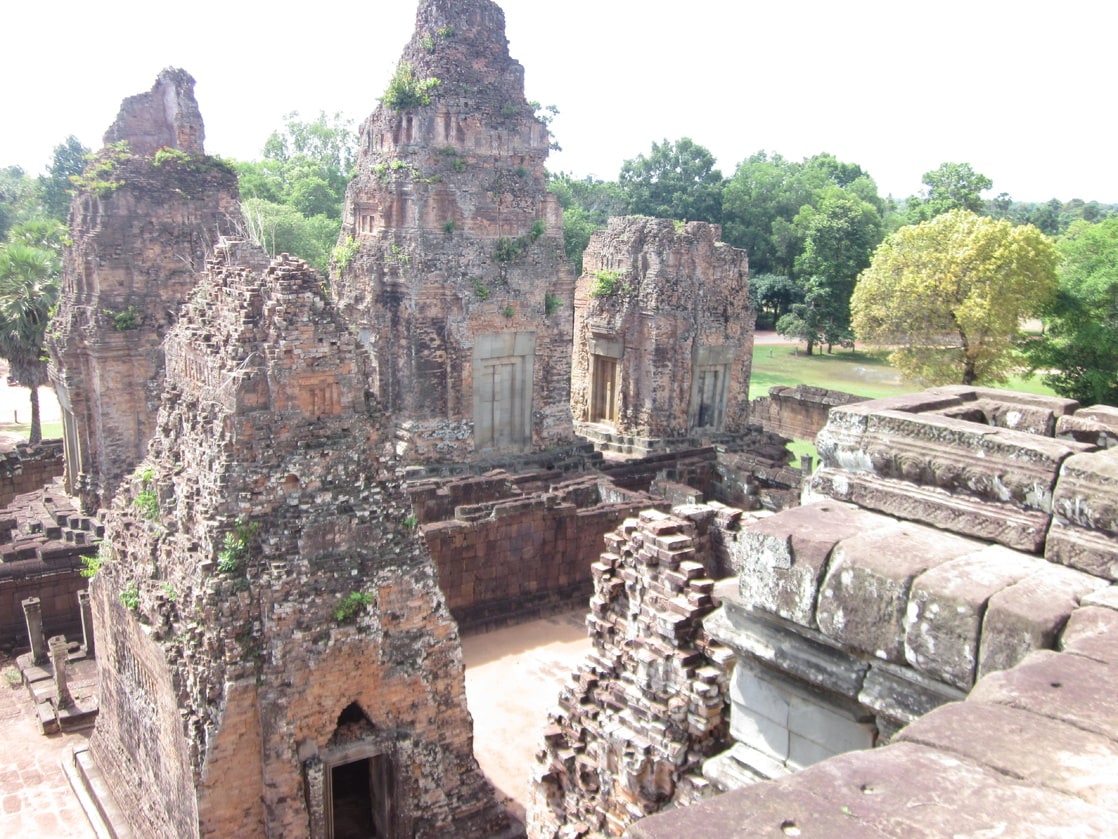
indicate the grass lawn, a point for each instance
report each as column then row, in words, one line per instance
column 864, row 373
column 50, row 429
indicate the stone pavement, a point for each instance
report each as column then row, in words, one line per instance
column 35, row 798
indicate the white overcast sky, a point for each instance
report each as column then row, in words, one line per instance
column 1023, row 91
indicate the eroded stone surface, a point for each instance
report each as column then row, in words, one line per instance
column 267, row 612
column 663, row 327
column 1084, row 531
column 455, row 276
column 167, row 116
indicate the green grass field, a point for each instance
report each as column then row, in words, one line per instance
column 864, row 373
column 50, row 429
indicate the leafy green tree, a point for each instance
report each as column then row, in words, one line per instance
column 950, row 293
column 773, row 296
column 55, row 188
column 587, row 206
column 1079, row 348
column 18, row 200
column 953, row 186
column 839, row 238
column 677, row 180
column 280, row 228
column 29, row 285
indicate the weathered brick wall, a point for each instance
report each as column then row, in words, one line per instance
column 25, row 468
column 56, row 588
column 459, row 284
column 676, row 324
column 798, row 413
column 265, row 425
column 140, row 233
column 507, row 560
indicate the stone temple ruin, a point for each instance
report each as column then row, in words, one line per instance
column 308, row 486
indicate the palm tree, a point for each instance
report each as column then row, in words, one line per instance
column 29, row 285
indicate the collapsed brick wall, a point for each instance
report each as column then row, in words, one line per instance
column 798, row 413
column 25, row 468
column 637, row 719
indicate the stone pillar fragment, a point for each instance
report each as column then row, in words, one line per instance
column 59, row 652
column 33, row 614
column 87, row 622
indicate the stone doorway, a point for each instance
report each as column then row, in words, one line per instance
column 711, row 398
column 503, row 382
column 603, row 401
column 361, row 799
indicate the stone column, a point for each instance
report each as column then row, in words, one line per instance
column 58, row 655
column 33, row 614
column 87, row 621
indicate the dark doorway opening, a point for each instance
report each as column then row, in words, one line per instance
column 362, row 799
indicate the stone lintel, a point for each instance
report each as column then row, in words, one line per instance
column 901, row 695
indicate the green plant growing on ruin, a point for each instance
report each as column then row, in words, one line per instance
column 509, row 312
column 351, row 605
column 481, row 290
column 407, row 91
column 428, row 43
column 507, row 249
column 510, row 109
column 680, row 225
column 446, row 31
column 146, row 500
column 449, row 227
column 539, row 227
column 345, row 251
column 234, row 547
column 130, row 596
column 100, row 175
column 126, row 319
column 521, row 172
column 411, row 522
column 169, row 155
column 13, row 677
column 92, row 563
column 169, row 592
column 608, row 283
column 551, row 303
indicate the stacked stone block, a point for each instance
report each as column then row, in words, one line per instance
column 637, row 719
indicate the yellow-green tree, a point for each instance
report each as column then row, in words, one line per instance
column 950, row 294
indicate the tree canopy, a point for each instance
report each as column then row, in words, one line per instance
column 1079, row 349
column 950, row 294
column 953, row 186
column 677, row 180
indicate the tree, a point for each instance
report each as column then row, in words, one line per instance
column 55, row 187
column 839, row 238
column 953, row 186
column 1079, row 348
column 29, row 284
column 950, row 294
column 677, row 180
column 587, row 206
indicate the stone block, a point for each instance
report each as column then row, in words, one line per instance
column 943, row 621
column 783, row 558
column 864, row 596
column 1084, row 531
column 1029, row 615
column 1024, row 745
column 901, row 694
column 1065, row 687
column 1092, row 632
column 818, row 729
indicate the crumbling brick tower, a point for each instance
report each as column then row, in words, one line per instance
column 450, row 262
column 663, row 334
column 143, row 221
column 279, row 660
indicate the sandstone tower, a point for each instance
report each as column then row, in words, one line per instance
column 143, row 221
column 663, row 334
column 450, row 262
column 279, row 659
